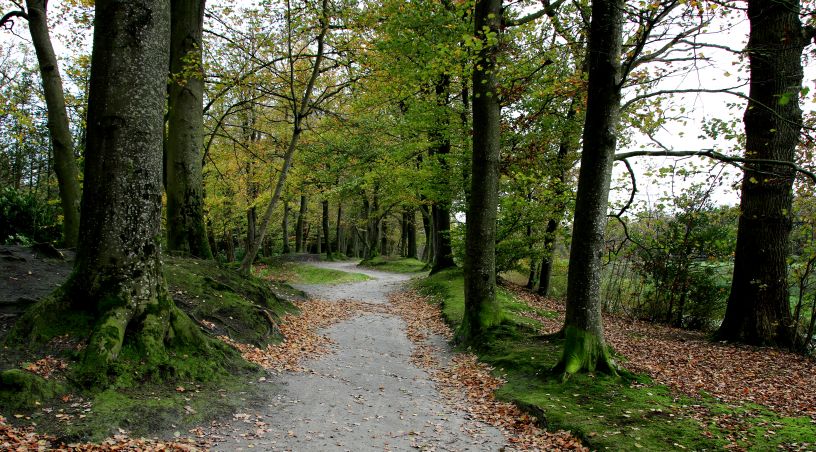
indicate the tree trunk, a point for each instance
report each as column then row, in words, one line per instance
column 65, row 165
column 285, row 227
column 186, row 231
column 117, row 276
column 339, row 231
column 300, row 225
column 383, row 233
column 481, row 307
column 412, row 237
column 403, row 243
column 443, row 251
column 326, row 230
column 758, row 310
column 251, row 226
column 545, row 272
column 427, row 226
column 584, row 347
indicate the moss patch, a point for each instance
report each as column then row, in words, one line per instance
column 607, row 412
column 395, row 264
column 244, row 308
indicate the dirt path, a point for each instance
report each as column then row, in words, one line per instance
column 365, row 396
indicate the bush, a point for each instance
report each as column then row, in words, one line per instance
column 26, row 219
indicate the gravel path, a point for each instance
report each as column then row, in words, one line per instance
column 366, row 396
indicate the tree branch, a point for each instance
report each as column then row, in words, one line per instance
column 7, row 21
column 712, row 154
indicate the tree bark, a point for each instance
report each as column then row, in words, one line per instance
column 285, row 227
column 300, row 224
column 118, row 276
column 427, row 226
column 412, row 236
column 186, row 231
column 758, row 310
column 339, row 231
column 584, row 347
column 481, row 307
column 326, row 229
column 65, row 165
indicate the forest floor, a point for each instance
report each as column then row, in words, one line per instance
column 367, row 366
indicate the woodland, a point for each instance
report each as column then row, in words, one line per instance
column 575, row 223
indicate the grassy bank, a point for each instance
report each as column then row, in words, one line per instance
column 303, row 273
column 610, row 413
column 395, row 264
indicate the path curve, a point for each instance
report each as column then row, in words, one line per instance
column 366, row 396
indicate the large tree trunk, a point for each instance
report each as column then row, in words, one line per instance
column 65, row 165
column 481, row 307
column 584, row 348
column 300, row 224
column 285, row 227
column 326, row 230
column 117, row 276
column 758, row 309
column 186, row 231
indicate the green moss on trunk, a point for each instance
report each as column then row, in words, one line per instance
column 584, row 352
column 21, row 389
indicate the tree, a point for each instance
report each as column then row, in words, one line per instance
column 300, row 109
column 758, row 310
column 186, row 231
column 58, row 126
column 117, row 281
column 481, row 306
column 584, row 347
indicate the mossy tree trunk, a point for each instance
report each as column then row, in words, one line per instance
column 584, row 348
column 117, row 275
column 481, row 307
column 186, row 231
column 758, row 310
column 59, row 130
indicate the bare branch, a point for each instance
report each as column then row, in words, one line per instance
column 712, row 154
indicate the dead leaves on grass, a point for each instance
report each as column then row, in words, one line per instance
column 689, row 363
column 25, row 439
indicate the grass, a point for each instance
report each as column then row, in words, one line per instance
column 606, row 413
column 300, row 273
column 395, row 264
